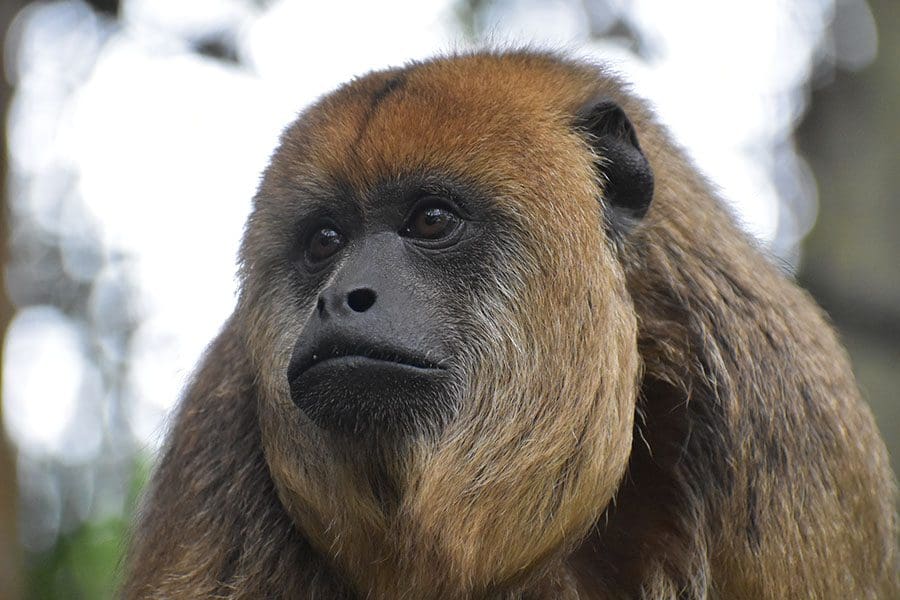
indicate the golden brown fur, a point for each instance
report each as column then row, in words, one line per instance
column 654, row 415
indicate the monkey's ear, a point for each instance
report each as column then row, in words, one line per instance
column 626, row 175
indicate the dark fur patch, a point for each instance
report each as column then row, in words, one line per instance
column 753, row 533
column 390, row 86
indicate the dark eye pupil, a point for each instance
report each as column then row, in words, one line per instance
column 324, row 243
column 432, row 222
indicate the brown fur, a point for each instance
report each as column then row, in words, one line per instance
column 661, row 415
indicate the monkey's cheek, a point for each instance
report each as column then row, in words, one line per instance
column 372, row 398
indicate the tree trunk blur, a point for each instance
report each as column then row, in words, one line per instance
column 10, row 555
column 851, row 264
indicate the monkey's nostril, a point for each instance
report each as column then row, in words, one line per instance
column 361, row 300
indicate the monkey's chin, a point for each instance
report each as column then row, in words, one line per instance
column 363, row 396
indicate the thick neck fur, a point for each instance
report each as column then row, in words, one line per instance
column 736, row 438
column 491, row 505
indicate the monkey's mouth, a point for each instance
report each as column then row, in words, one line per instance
column 359, row 387
column 340, row 353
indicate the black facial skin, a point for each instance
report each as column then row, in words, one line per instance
column 375, row 356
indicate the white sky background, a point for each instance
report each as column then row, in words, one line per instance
column 166, row 147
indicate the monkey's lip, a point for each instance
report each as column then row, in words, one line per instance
column 359, row 360
column 363, row 357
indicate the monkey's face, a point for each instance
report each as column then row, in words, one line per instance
column 390, row 269
column 428, row 267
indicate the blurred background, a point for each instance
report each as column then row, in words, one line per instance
column 135, row 132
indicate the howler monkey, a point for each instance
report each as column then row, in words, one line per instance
column 497, row 338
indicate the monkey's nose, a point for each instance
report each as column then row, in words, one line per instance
column 361, row 299
column 357, row 300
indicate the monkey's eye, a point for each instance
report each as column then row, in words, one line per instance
column 323, row 243
column 430, row 222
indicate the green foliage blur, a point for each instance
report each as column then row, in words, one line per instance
column 85, row 563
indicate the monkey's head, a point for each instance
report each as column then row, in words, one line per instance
column 435, row 309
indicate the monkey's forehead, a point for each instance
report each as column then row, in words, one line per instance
column 486, row 115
